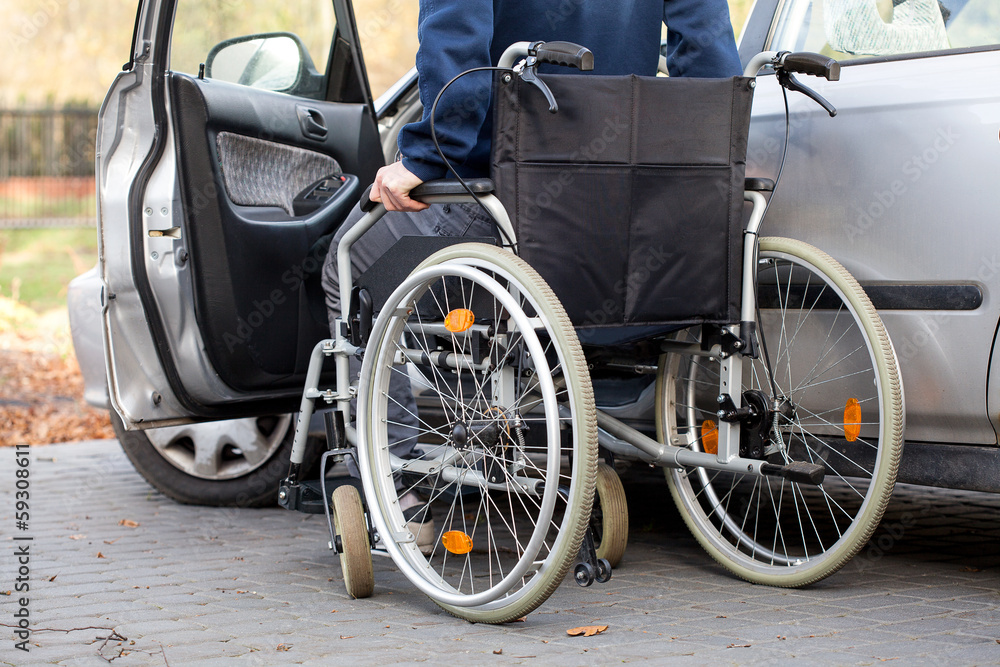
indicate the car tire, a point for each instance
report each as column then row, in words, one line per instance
column 250, row 485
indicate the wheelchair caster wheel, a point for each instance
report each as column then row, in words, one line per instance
column 603, row 571
column 584, row 573
column 609, row 519
column 352, row 540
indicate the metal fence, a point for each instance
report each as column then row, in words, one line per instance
column 47, row 167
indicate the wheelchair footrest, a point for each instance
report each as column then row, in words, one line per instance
column 307, row 496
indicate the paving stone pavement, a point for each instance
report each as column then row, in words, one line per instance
column 203, row 586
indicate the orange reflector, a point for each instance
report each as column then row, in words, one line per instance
column 852, row 419
column 457, row 542
column 710, row 437
column 459, row 320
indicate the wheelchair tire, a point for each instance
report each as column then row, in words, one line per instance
column 508, row 438
column 609, row 520
column 356, row 555
column 835, row 365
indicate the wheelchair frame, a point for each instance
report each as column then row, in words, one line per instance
column 737, row 342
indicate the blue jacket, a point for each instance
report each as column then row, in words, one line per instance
column 456, row 35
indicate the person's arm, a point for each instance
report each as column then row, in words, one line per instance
column 455, row 35
column 700, row 39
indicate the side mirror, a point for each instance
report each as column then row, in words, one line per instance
column 275, row 61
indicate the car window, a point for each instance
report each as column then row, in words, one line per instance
column 848, row 29
column 279, row 45
column 388, row 33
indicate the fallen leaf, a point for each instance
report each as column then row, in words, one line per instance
column 128, row 523
column 586, row 630
column 347, row 636
column 499, row 651
column 738, row 646
column 53, row 577
column 720, row 616
column 520, row 620
column 100, row 555
column 283, row 647
column 111, row 541
column 77, row 537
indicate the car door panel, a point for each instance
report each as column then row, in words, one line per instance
column 210, row 267
column 255, row 267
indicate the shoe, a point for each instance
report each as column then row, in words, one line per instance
column 420, row 522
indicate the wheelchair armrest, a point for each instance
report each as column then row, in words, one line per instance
column 442, row 186
column 759, row 184
column 451, row 186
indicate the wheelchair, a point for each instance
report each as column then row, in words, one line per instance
column 780, row 434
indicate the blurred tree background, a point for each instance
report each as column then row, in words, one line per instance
column 58, row 52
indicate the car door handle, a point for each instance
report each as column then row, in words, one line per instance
column 312, row 122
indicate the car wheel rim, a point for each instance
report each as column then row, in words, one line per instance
column 221, row 450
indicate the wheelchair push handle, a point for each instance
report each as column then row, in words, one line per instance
column 563, row 53
column 787, row 64
column 812, row 63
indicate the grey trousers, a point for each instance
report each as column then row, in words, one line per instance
column 438, row 220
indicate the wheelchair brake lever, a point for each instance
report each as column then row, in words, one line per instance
column 529, row 74
column 789, row 81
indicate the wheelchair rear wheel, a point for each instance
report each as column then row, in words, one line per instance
column 506, row 441
column 836, row 387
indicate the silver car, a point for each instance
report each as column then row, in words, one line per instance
column 226, row 159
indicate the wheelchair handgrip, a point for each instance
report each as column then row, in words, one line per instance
column 565, row 53
column 366, row 203
column 812, row 63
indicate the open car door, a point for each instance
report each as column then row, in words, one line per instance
column 236, row 140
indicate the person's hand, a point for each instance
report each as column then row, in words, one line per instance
column 392, row 187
